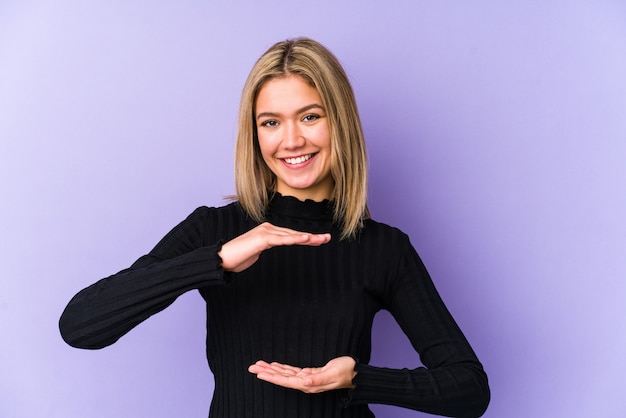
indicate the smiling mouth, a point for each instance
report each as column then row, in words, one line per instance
column 298, row 160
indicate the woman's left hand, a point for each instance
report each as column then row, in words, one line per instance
column 336, row 374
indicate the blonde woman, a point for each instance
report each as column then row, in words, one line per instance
column 294, row 270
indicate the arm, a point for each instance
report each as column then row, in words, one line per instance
column 453, row 382
column 103, row 312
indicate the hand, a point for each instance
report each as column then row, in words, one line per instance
column 336, row 374
column 240, row 253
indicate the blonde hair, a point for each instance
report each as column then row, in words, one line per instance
column 254, row 181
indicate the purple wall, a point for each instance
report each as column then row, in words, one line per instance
column 497, row 140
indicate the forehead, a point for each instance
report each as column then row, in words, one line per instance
column 286, row 92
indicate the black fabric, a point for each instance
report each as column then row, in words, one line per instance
column 298, row 305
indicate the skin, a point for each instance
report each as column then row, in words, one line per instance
column 336, row 374
column 294, row 139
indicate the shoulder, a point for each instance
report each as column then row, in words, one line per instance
column 403, row 265
column 231, row 209
column 204, row 226
column 383, row 242
column 218, row 215
column 220, row 222
column 381, row 231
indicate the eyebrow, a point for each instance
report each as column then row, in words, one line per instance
column 301, row 110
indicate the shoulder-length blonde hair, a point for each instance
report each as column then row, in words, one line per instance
column 254, row 181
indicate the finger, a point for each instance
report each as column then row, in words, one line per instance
column 260, row 367
column 278, row 379
column 299, row 238
column 285, row 368
column 269, row 229
column 280, row 230
column 319, row 239
column 319, row 380
column 305, row 372
column 315, row 383
column 273, row 368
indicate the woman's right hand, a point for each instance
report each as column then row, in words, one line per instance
column 240, row 253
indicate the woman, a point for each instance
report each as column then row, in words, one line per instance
column 294, row 271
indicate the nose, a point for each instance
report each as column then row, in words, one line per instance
column 293, row 136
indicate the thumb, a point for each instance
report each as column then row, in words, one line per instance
column 319, row 378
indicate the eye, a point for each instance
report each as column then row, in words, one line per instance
column 310, row 118
column 269, row 123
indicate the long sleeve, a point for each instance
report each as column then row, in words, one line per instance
column 299, row 305
column 453, row 382
column 183, row 260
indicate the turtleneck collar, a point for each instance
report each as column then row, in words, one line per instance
column 309, row 209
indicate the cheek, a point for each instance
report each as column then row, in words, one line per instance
column 325, row 135
column 324, row 139
column 319, row 135
column 264, row 145
column 267, row 153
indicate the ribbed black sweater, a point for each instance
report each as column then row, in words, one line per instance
column 297, row 305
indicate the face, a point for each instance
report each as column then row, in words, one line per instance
column 294, row 138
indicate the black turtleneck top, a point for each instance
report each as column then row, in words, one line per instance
column 297, row 305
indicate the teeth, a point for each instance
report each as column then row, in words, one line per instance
column 298, row 160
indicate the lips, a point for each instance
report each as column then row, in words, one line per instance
column 298, row 160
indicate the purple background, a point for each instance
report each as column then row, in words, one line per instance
column 497, row 140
